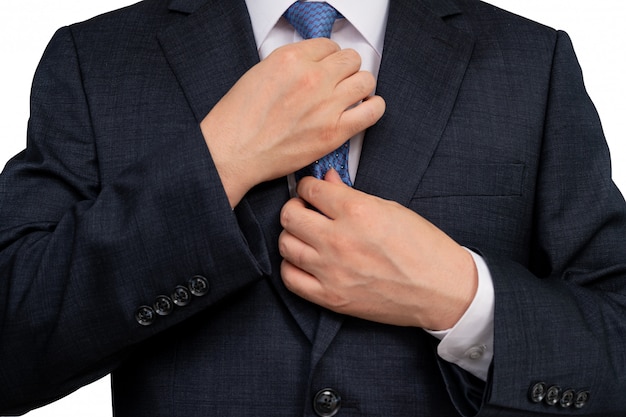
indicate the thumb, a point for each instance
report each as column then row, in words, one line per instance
column 333, row 177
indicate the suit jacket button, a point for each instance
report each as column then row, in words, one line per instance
column 145, row 315
column 181, row 296
column 537, row 392
column 163, row 305
column 327, row 402
column 553, row 395
column 567, row 399
column 198, row 286
column 581, row 399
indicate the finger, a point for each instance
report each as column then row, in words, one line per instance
column 307, row 225
column 328, row 197
column 315, row 49
column 301, row 283
column 297, row 252
column 343, row 63
column 362, row 116
column 355, row 88
column 333, row 176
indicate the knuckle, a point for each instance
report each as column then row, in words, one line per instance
column 350, row 56
column 327, row 138
column 336, row 301
column 284, row 215
column 355, row 208
column 340, row 242
column 313, row 189
column 298, row 257
column 311, row 79
column 372, row 113
column 288, row 55
column 282, row 245
column 369, row 81
column 364, row 83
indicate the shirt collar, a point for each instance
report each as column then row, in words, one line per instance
column 370, row 19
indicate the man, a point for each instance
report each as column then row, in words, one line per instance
column 473, row 269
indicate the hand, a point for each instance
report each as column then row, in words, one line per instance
column 372, row 258
column 290, row 109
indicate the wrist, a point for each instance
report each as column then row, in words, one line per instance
column 230, row 171
column 460, row 296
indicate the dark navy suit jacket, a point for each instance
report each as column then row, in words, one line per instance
column 488, row 133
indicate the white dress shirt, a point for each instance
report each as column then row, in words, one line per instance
column 469, row 343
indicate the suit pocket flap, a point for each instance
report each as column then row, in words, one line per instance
column 449, row 178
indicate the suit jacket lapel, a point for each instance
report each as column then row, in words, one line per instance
column 424, row 60
column 209, row 50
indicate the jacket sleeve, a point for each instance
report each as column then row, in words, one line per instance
column 79, row 259
column 560, row 328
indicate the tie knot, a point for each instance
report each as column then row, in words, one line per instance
column 312, row 19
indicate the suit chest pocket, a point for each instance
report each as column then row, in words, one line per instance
column 450, row 178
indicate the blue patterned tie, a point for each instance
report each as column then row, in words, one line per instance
column 315, row 20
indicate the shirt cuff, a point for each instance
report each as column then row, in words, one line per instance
column 469, row 344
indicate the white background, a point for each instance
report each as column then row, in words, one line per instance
column 596, row 28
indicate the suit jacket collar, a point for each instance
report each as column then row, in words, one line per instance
column 185, row 6
column 441, row 8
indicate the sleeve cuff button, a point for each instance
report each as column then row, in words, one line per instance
column 198, row 285
column 145, row 315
